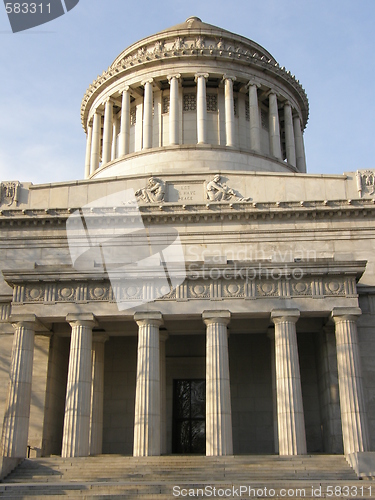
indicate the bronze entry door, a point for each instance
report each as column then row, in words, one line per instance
column 189, row 416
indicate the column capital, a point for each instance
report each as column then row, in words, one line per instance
column 272, row 92
column 287, row 103
column 229, row 77
column 108, row 100
column 29, row 321
column 345, row 313
column 84, row 319
column 210, row 317
column 279, row 315
column 251, row 83
column 148, row 318
column 163, row 336
column 149, row 80
column 98, row 111
column 100, row 337
column 175, row 75
column 199, row 75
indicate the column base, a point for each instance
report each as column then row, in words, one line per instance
column 363, row 462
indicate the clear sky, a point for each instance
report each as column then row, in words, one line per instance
column 328, row 44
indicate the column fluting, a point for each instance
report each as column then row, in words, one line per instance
column 254, row 117
column 147, row 114
column 352, row 403
column 17, row 407
column 97, row 394
column 219, row 439
column 289, row 135
column 124, row 137
column 290, row 416
column 88, row 150
column 76, row 433
column 200, row 79
column 107, row 131
column 173, row 109
column 229, row 109
column 300, row 147
column 274, row 126
column 163, row 395
column 147, row 395
column 96, row 137
column 114, row 138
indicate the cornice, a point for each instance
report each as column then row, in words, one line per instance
column 175, row 213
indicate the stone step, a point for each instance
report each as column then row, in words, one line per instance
column 108, row 476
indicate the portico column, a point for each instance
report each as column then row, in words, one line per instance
column 173, row 109
column 147, row 395
column 163, row 395
column 125, row 123
column 254, row 117
column 17, row 408
column 291, row 421
column 107, row 131
column 96, row 136
column 229, row 109
column 352, row 404
column 218, row 403
column 200, row 78
column 300, row 148
column 88, row 150
column 114, row 138
column 274, row 126
column 147, row 114
column 289, row 135
column 97, row 394
column 76, row 433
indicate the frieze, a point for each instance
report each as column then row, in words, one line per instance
column 245, row 286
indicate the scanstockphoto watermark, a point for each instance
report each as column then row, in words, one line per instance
column 142, row 264
column 316, row 491
column 28, row 14
column 247, row 273
column 252, row 253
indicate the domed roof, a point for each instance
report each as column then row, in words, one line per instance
column 194, row 24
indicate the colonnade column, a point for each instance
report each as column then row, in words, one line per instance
column 163, row 395
column 274, row 126
column 218, row 403
column 95, row 147
column 289, row 135
column 76, row 433
column 88, row 150
column 173, row 109
column 254, row 117
column 97, row 394
column 300, row 148
column 17, row 408
column 114, row 138
column 353, row 412
column 125, row 123
column 107, row 131
column 290, row 416
column 229, row 109
column 147, row 114
column 147, row 395
column 200, row 79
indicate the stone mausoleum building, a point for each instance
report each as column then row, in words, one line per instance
column 198, row 291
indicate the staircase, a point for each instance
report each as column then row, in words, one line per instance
column 149, row 478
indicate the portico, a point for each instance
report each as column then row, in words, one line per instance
column 246, row 311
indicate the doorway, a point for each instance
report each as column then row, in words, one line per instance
column 189, row 416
